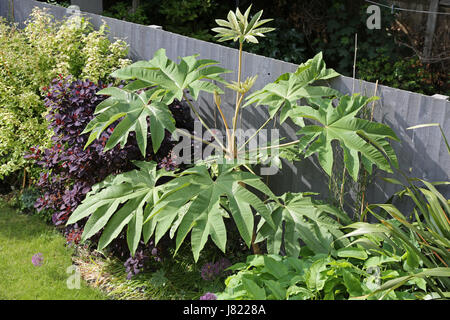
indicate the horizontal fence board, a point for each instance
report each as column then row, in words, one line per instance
column 422, row 153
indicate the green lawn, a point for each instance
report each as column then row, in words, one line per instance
column 22, row 236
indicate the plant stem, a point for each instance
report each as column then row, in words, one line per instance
column 276, row 146
column 341, row 196
column 227, row 128
column 201, row 140
column 354, row 62
column 239, row 97
column 254, row 135
column 365, row 172
column 202, row 121
column 24, row 178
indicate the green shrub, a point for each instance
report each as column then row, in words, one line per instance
column 121, row 10
column 407, row 74
column 29, row 60
column 352, row 274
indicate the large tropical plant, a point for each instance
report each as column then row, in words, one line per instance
column 197, row 200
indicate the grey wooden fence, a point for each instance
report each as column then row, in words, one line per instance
column 422, row 153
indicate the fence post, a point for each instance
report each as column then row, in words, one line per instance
column 431, row 25
column 11, row 8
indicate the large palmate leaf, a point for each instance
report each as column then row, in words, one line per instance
column 157, row 83
column 356, row 136
column 124, row 199
column 190, row 74
column 133, row 110
column 305, row 219
column 202, row 193
column 289, row 88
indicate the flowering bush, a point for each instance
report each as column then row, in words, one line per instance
column 29, row 60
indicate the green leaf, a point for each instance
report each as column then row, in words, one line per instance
column 299, row 293
column 253, row 289
column 355, row 136
column 289, row 88
column 277, row 290
column 135, row 229
column 133, row 109
column 276, row 268
column 204, row 192
column 315, row 279
column 352, row 284
column 412, row 261
column 352, row 252
column 134, row 190
column 237, row 27
column 303, row 219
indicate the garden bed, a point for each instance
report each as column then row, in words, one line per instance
column 152, row 215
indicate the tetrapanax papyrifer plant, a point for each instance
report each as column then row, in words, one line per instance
column 197, row 201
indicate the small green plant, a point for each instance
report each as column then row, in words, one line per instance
column 27, row 199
